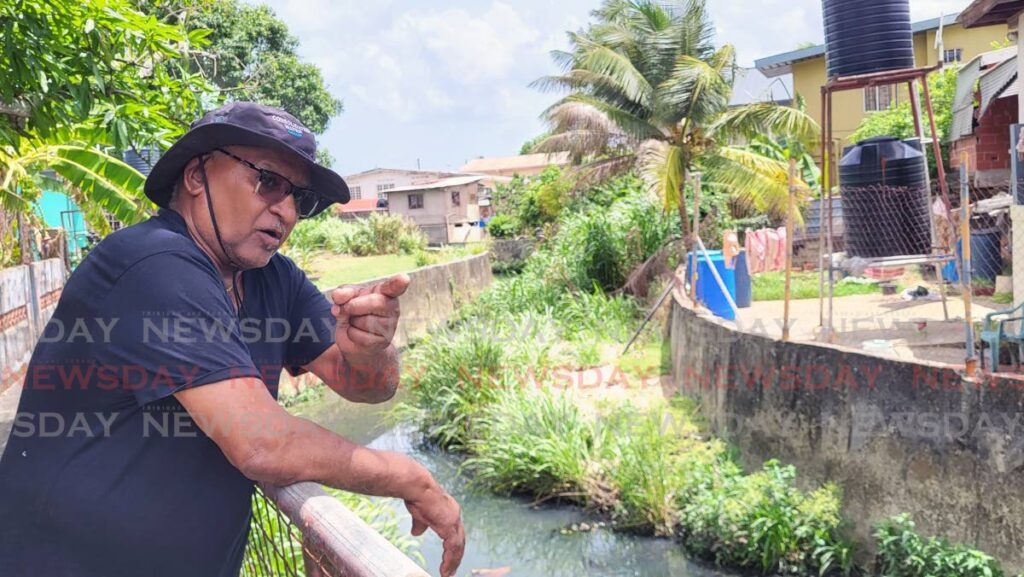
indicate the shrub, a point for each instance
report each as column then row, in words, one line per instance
column 901, row 552
column 761, row 521
column 381, row 234
column 503, row 226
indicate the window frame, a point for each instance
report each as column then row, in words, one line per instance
column 417, row 195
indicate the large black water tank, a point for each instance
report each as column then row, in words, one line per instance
column 884, row 193
column 864, row 36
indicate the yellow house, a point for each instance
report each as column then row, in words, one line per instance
column 807, row 65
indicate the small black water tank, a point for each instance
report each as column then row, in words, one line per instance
column 864, row 36
column 885, row 198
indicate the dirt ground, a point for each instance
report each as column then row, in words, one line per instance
column 886, row 325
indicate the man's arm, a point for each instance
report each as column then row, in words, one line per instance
column 362, row 366
column 360, row 380
column 267, row 444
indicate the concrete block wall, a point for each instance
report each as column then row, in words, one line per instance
column 896, row 436
column 989, row 147
column 28, row 297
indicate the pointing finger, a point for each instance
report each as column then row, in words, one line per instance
column 393, row 287
column 342, row 295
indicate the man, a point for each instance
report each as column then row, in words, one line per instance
column 161, row 365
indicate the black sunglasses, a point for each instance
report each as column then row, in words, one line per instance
column 273, row 188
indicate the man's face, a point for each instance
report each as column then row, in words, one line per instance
column 251, row 227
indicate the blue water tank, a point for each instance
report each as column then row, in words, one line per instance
column 866, row 36
column 709, row 293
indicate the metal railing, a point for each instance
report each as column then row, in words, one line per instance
column 302, row 531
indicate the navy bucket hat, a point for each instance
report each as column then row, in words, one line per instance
column 245, row 124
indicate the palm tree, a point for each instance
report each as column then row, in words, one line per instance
column 648, row 88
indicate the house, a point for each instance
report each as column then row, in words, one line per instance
column 807, row 67
column 447, row 209
column 360, row 208
column 374, row 183
column 525, row 165
column 985, row 107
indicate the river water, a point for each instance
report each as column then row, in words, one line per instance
column 508, row 536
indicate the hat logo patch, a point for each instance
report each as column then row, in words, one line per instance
column 296, row 130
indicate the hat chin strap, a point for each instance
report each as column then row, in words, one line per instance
column 235, row 267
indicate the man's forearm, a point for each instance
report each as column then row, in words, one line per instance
column 293, row 449
column 371, row 379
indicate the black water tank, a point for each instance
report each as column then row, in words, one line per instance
column 864, row 36
column 885, row 198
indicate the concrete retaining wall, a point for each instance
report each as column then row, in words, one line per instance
column 436, row 291
column 28, row 297
column 896, row 436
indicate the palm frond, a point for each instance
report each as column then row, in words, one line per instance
column 663, row 169
column 765, row 119
column 754, row 179
column 695, row 90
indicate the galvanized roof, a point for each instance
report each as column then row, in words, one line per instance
column 963, row 102
column 994, row 81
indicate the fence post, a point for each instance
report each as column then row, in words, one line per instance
column 789, row 246
column 696, row 236
column 971, row 362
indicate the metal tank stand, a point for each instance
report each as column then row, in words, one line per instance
column 910, row 76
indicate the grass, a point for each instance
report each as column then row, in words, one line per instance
column 332, row 270
column 770, row 286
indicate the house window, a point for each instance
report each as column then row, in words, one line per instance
column 356, row 192
column 952, row 55
column 456, row 198
column 415, row 201
column 878, row 98
column 383, row 187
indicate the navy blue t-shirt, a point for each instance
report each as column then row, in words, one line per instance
column 105, row 474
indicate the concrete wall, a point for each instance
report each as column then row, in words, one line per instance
column 436, row 291
column 28, row 297
column 896, row 436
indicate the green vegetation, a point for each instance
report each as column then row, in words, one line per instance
column 252, row 56
column 898, row 120
column 770, row 286
column 280, row 546
column 904, row 553
column 376, row 235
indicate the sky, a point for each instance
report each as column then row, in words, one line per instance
column 432, row 84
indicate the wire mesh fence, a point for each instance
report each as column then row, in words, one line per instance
column 276, row 547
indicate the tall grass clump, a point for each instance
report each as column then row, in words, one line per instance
column 532, row 441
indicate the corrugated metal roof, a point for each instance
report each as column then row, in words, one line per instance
column 516, row 162
column 453, row 181
column 963, row 102
column 994, row 81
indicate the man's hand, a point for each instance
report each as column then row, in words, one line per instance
column 367, row 316
column 435, row 509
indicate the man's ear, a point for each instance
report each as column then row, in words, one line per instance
column 192, row 178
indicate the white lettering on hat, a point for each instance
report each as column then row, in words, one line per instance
column 292, row 127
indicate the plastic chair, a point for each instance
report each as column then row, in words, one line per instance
column 993, row 333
